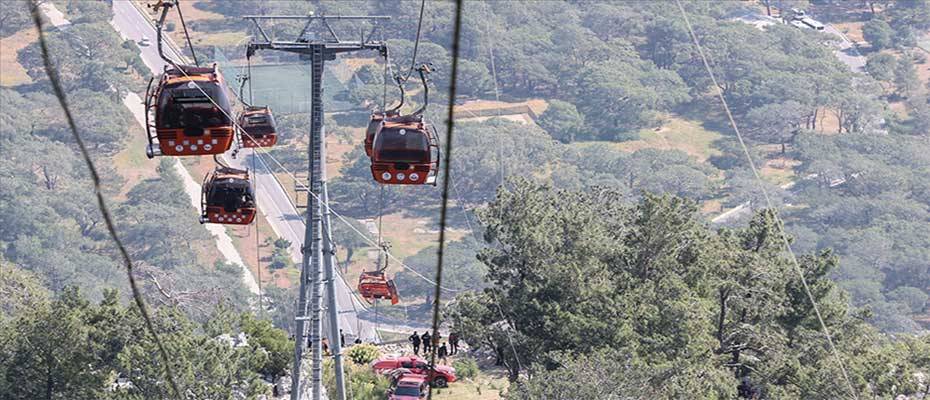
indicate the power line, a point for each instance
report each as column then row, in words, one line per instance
column 101, row 203
column 768, row 201
column 450, row 124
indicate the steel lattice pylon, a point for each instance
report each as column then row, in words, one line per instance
column 318, row 250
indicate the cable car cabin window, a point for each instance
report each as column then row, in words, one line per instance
column 231, row 195
column 261, row 124
column 411, row 147
column 183, row 105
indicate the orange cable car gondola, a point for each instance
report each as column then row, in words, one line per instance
column 377, row 117
column 189, row 112
column 227, row 197
column 405, row 149
column 258, row 126
column 374, row 123
column 374, row 285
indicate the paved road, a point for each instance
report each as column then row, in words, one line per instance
column 846, row 51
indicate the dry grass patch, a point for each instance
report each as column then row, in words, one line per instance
column 12, row 72
column 244, row 239
column 852, row 30
column 488, row 385
column 676, row 134
column 779, row 170
column 131, row 162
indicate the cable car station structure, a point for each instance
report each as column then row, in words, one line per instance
column 318, row 250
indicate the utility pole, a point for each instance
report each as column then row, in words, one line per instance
column 318, row 249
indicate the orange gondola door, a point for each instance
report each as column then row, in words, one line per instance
column 258, row 127
column 188, row 110
column 227, row 197
column 374, row 285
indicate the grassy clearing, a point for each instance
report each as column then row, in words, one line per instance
column 391, row 336
column 192, row 13
column 488, row 385
column 12, row 72
column 131, row 162
column 220, row 39
column 243, row 238
column 676, row 133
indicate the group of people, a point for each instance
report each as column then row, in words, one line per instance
column 430, row 342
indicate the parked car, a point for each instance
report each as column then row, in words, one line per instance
column 409, row 387
column 144, row 41
column 439, row 375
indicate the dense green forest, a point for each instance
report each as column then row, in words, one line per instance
column 67, row 330
column 648, row 302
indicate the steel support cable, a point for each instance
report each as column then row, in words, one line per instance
column 443, row 211
column 416, row 45
column 500, row 144
column 186, row 34
column 101, row 203
column 305, row 188
column 497, row 98
column 768, row 201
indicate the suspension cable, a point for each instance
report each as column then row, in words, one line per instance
column 55, row 81
column 768, row 201
column 416, row 45
column 497, row 98
column 450, row 124
column 186, row 34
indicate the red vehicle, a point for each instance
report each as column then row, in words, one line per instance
column 439, row 376
column 409, row 387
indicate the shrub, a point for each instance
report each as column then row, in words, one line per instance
column 466, row 367
column 363, row 353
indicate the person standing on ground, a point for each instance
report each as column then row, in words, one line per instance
column 453, row 343
column 427, row 343
column 342, row 338
column 415, row 340
column 442, row 353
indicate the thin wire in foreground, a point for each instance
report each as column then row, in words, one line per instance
column 450, row 124
column 768, row 201
column 101, row 203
